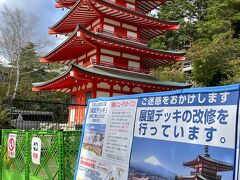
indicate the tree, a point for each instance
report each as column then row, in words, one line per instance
column 15, row 32
column 212, row 63
column 189, row 13
column 5, row 116
column 170, row 73
column 216, row 52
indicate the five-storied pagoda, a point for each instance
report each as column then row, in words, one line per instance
column 107, row 51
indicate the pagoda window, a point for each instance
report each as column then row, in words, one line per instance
column 108, row 29
column 88, row 96
column 131, row 35
column 117, row 87
column 134, row 65
column 103, row 85
column 89, row 85
column 137, row 90
column 108, row 60
column 71, row 114
column 126, row 88
column 73, row 99
column 103, row 94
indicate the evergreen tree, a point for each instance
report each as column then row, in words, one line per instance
column 215, row 52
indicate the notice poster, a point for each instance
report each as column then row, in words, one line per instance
column 189, row 135
column 36, row 150
column 185, row 134
column 12, row 145
column 107, row 140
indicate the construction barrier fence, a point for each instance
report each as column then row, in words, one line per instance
column 59, row 150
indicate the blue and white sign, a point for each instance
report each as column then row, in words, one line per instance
column 184, row 134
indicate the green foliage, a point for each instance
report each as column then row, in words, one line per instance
column 212, row 63
column 210, row 33
column 216, row 53
column 5, row 114
column 189, row 13
column 34, row 71
column 170, row 73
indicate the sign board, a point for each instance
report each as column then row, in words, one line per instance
column 36, row 150
column 166, row 135
column 12, row 145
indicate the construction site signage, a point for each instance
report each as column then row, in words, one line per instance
column 12, row 145
column 36, row 150
column 157, row 135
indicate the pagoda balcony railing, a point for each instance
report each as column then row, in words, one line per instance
column 134, row 8
column 124, row 37
column 118, row 66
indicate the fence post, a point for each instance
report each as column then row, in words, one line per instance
column 60, row 156
column 27, row 155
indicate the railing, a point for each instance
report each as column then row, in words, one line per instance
column 41, row 115
column 120, row 36
column 119, row 66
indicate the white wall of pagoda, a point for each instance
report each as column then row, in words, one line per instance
column 95, row 89
column 108, row 57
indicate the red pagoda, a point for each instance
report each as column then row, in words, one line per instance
column 206, row 168
column 107, row 51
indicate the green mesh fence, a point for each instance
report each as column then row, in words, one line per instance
column 71, row 144
column 58, row 155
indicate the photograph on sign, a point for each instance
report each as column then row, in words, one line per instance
column 36, row 150
column 12, row 145
column 94, row 138
column 170, row 160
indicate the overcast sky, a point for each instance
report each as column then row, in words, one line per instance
column 47, row 15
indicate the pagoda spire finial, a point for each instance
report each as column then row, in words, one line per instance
column 206, row 151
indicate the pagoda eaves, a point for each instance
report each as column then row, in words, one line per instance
column 76, row 75
column 221, row 166
column 83, row 41
column 144, row 6
column 86, row 13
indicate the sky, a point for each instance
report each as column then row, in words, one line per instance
column 46, row 14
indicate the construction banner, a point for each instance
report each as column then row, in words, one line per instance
column 184, row 134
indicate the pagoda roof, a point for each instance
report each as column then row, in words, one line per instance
column 67, row 81
column 82, row 40
column 220, row 165
column 84, row 13
column 144, row 6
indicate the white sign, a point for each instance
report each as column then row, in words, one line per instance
column 12, row 145
column 158, row 135
column 36, row 150
column 107, row 140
